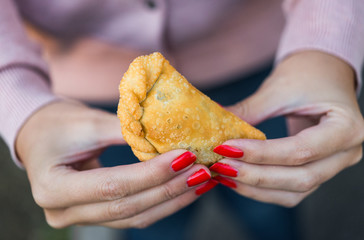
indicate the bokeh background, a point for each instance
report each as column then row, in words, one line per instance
column 335, row 211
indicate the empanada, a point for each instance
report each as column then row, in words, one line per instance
column 160, row 111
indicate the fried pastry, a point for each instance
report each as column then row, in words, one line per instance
column 160, row 110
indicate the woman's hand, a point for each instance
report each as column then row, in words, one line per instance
column 59, row 146
column 316, row 92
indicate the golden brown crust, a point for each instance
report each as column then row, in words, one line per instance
column 160, row 111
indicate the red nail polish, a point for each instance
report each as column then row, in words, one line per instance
column 226, row 181
column 183, row 161
column 198, row 177
column 206, row 187
column 224, row 169
column 228, row 151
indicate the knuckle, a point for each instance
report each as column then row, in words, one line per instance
column 291, row 203
column 39, row 197
column 307, row 181
column 358, row 156
column 109, row 190
column 260, row 158
column 141, row 223
column 55, row 221
column 303, row 154
column 121, row 210
column 42, row 197
column 293, row 200
column 114, row 210
column 257, row 181
column 169, row 192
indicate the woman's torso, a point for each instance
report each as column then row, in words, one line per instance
column 208, row 41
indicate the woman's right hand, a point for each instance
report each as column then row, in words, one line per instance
column 59, row 147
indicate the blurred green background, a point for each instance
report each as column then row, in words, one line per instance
column 20, row 217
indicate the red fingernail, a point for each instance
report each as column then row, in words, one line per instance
column 183, row 161
column 198, row 177
column 228, row 151
column 224, row 169
column 226, row 181
column 206, row 187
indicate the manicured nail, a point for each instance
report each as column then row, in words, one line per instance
column 198, row 177
column 206, row 187
column 183, row 161
column 224, row 169
column 226, row 181
column 228, row 151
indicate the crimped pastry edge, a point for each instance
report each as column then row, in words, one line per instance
column 138, row 80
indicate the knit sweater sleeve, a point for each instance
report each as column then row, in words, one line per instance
column 24, row 85
column 332, row 26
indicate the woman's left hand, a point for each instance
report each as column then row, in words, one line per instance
column 316, row 93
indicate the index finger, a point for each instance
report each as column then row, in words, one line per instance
column 69, row 187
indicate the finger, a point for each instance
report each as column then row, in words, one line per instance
column 72, row 187
column 298, row 178
column 108, row 129
column 334, row 133
column 283, row 198
column 154, row 214
column 89, row 138
column 121, row 208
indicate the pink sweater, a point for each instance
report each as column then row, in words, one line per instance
column 196, row 35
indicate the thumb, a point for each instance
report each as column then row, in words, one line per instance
column 108, row 129
column 261, row 105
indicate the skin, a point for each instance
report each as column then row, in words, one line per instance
column 316, row 92
column 59, row 147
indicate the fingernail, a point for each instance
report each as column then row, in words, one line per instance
column 228, row 151
column 206, row 187
column 226, row 181
column 224, row 169
column 198, row 177
column 183, row 161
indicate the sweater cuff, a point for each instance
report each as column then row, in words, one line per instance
column 326, row 25
column 23, row 91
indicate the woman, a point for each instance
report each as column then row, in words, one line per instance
column 223, row 47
